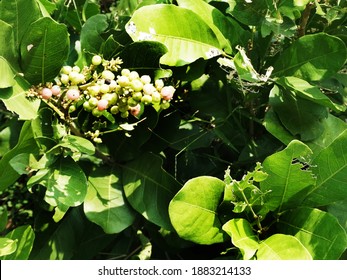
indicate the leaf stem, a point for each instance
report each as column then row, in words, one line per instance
column 255, row 216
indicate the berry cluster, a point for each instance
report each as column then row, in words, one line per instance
column 101, row 91
column 98, row 89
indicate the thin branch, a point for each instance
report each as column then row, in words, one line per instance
column 304, row 19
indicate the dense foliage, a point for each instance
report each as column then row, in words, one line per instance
column 180, row 129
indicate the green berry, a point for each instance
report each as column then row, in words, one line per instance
column 107, row 75
column 104, row 88
column 146, row 99
column 76, row 69
column 148, row 89
column 133, row 75
column 96, row 112
column 66, row 69
column 93, row 102
column 124, row 115
column 123, row 108
column 96, row 60
column 94, row 90
column 165, row 105
column 137, row 96
column 132, row 102
column 87, row 106
column 64, row 79
column 136, row 85
column 114, row 110
column 156, row 97
column 159, row 84
column 123, row 81
column 125, row 72
column 111, row 98
column 145, row 79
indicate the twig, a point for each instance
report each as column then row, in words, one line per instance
column 304, row 19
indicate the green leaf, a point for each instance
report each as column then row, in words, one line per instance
column 77, row 143
column 104, row 203
column 46, row 6
column 242, row 236
column 143, row 56
column 318, row 231
column 339, row 210
column 64, row 180
column 26, row 144
column 149, row 188
column 214, row 18
column 312, row 58
column 24, row 236
column 7, row 246
column 288, row 182
column 15, row 100
column 273, row 125
column 19, row 14
column 301, row 117
column 42, row 127
column 7, row 45
column 282, row 247
column 44, row 49
column 193, row 210
column 309, row 92
column 6, row 74
column 186, row 35
column 331, row 170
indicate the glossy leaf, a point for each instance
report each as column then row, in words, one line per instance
column 288, row 182
column 193, row 210
column 26, row 144
column 318, row 231
column 105, row 204
column 24, row 236
column 78, row 144
column 7, row 246
column 309, row 92
column 19, row 14
column 312, row 58
column 301, row 117
column 15, row 100
column 282, row 247
column 331, row 169
column 44, row 49
column 7, row 75
column 64, row 180
column 149, row 188
column 215, row 19
column 184, row 33
column 242, row 236
column 7, row 45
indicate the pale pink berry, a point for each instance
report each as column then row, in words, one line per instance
column 73, row 94
column 135, row 111
column 167, row 92
column 55, row 90
column 102, row 104
column 46, row 93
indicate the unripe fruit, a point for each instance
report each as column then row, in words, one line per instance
column 165, row 105
column 94, row 90
column 111, row 98
column 72, row 108
column 123, row 81
column 55, row 90
column 136, row 85
column 132, row 102
column 159, row 84
column 125, row 72
column 64, row 79
column 123, row 108
column 87, row 106
column 124, row 115
column 156, row 97
column 104, row 88
column 145, row 79
column 102, row 104
column 147, row 99
column 46, row 93
column 73, row 94
column 66, row 69
column 114, row 110
column 74, row 77
column 133, row 75
column 93, row 102
column 167, row 92
column 107, row 74
column 76, row 69
column 135, row 111
column 96, row 60
column 148, row 89
column 96, row 112
column 137, row 96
